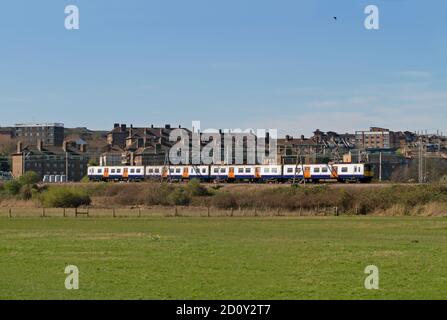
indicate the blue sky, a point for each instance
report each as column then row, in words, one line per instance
column 282, row 64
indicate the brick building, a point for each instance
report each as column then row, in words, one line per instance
column 50, row 134
column 69, row 160
column 377, row 138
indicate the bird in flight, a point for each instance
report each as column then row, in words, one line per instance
column 335, row 18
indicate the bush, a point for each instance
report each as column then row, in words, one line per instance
column 179, row 197
column 29, row 178
column 196, row 189
column 12, row 187
column 225, row 200
column 26, row 192
column 65, row 198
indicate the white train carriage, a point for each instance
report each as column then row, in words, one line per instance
column 116, row 173
column 246, row 172
column 156, row 172
column 268, row 172
column 177, row 172
column 135, row 173
column 292, row 172
column 196, row 172
column 310, row 172
column 219, row 172
column 94, row 173
column 354, row 172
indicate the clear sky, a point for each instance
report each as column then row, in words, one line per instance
column 283, row 64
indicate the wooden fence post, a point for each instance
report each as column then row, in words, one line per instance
column 113, row 213
column 43, row 212
column 208, row 211
column 139, row 212
column 76, row 212
column 88, row 211
column 64, row 214
column 10, row 213
column 175, row 211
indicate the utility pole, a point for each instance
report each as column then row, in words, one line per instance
column 421, row 164
column 380, row 166
column 66, row 166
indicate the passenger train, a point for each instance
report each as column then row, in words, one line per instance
column 236, row 173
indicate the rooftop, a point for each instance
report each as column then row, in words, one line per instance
column 30, row 125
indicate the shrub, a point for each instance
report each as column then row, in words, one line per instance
column 196, row 189
column 179, row 197
column 29, row 178
column 65, row 198
column 225, row 200
column 26, row 192
column 12, row 187
column 159, row 194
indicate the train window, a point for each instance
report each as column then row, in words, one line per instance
column 274, row 170
column 298, row 170
column 118, row 170
column 289, row 170
column 151, row 170
column 216, row 170
column 157, row 170
column 267, row 170
column 316, row 170
column 344, row 169
column 222, row 170
column 240, row 170
column 99, row 170
column 132, row 170
column 138, row 170
column 203, row 170
column 324, row 170
column 178, row 170
column 247, row 170
column 171, row 170
column 112, row 171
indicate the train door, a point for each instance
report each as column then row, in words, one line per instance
column 185, row 174
column 165, row 172
column 258, row 173
column 231, row 174
column 307, row 173
column 334, row 172
column 106, row 173
column 126, row 173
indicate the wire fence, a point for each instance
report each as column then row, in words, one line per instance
column 89, row 212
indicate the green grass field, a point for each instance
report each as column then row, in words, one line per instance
column 223, row 258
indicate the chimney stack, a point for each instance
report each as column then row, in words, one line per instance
column 40, row 145
column 19, row 147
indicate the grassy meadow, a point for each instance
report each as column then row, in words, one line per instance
column 224, row 258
